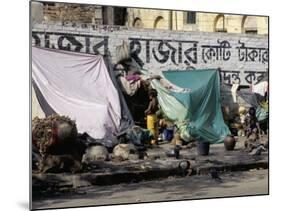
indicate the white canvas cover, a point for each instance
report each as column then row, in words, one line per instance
column 79, row 86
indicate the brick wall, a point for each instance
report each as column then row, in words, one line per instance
column 73, row 13
column 241, row 57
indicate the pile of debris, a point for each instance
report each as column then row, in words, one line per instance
column 58, row 147
column 255, row 144
column 51, row 131
column 130, row 145
column 55, row 147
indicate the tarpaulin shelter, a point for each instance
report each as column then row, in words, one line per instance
column 81, row 86
column 250, row 99
column 200, row 107
column 245, row 94
column 36, row 108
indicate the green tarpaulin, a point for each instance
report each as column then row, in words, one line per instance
column 196, row 113
column 261, row 113
column 204, row 116
column 171, row 107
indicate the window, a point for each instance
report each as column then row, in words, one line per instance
column 120, row 16
column 191, row 18
column 251, row 31
column 138, row 23
column 220, row 24
column 159, row 23
column 249, row 25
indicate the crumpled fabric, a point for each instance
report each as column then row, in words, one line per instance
column 130, row 88
column 79, row 86
column 260, row 88
column 139, row 137
column 132, row 78
column 233, row 92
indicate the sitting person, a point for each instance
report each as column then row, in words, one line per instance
column 251, row 123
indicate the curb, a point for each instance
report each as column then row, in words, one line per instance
column 45, row 184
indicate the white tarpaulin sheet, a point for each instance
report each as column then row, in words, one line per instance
column 36, row 108
column 79, row 86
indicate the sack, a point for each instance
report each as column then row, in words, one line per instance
column 122, row 52
column 95, row 153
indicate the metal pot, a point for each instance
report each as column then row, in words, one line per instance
column 66, row 132
column 203, row 147
column 229, row 143
column 177, row 151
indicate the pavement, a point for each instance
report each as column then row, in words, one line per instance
column 158, row 166
column 245, row 183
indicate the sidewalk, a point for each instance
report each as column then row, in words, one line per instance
column 158, row 166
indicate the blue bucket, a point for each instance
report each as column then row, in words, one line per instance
column 168, row 134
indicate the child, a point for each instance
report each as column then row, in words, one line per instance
column 150, row 113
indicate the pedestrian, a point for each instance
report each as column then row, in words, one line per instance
column 150, row 113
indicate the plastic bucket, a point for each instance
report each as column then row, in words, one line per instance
column 168, row 134
column 203, row 147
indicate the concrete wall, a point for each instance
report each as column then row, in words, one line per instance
column 241, row 57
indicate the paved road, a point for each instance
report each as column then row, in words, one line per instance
column 194, row 187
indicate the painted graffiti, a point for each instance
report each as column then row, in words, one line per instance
column 240, row 62
column 72, row 42
column 251, row 77
column 109, row 28
column 229, row 77
column 216, row 52
column 254, row 77
column 252, row 54
column 165, row 50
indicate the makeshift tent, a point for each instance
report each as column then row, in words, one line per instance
column 261, row 92
column 251, row 99
column 245, row 95
column 202, row 103
column 80, row 86
column 127, row 119
column 173, row 109
column 36, row 108
column 47, row 109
